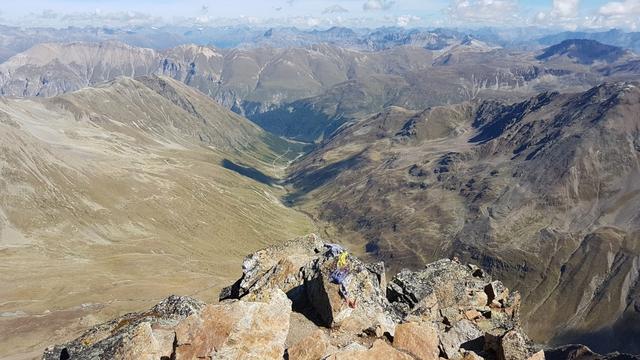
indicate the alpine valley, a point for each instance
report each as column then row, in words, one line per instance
column 140, row 163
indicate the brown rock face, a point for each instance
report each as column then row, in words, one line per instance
column 311, row 347
column 419, row 340
column 183, row 328
column 537, row 356
column 379, row 350
column 239, row 330
column 513, row 347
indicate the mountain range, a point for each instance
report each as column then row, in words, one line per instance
column 322, row 84
column 130, row 171
column 542, row 192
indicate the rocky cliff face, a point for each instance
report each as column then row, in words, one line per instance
column 309, row 299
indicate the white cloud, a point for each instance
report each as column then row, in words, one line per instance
column 563, row 14
column 93, row 18
column 335, row 9
column 406, row 20
column 621, row 8
column 625, row 14
column 565, row 8
column 503, row 12
column 373, row 5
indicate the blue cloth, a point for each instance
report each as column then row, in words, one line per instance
column 334, row 249
column 341, row 276
column 338, row 276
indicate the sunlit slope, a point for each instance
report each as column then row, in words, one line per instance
column 113, row 197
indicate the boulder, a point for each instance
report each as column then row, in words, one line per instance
column 452, row 285
column 511, row 345
column 279, row 266
column 463, row 333
column 304, row 268
column 461, row 302
column 185, row 328
column 312, row 347
column 537, row 356
column 236, row 330
column 357, row 304
column 146, row 343
column 144, row 335
column 470, row 355
column 420, row 340
column 379, row 350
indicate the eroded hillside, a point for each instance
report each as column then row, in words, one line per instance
column 112, row 197
column 544, row 193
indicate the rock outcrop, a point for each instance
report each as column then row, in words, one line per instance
column 445, row 311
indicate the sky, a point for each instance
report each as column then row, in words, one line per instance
column 564, row 14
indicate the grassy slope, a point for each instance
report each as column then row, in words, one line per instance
column 107, row 209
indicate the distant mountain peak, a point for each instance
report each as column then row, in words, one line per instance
column 583, row 51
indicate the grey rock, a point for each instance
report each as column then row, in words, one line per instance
column 463, row 332
column 104, row 341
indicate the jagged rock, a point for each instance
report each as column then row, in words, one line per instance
column 472, row 314
column 144, row 335
column 146, row 343
column 420, row 340
column 537, row 356
column 512, row 345
column 365, row 305
column 236, row 330
column 496, row 291
column 379, row 350
column 463, row 333
column 184, row 328
column 279, row 266
column 450, row 285
column 302, row 268
column 461, row 302
column 446, row 310
column 312, row 347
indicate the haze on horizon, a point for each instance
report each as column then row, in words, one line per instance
column 556, row 14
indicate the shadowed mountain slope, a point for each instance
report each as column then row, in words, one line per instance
column 544, row 193
column 583, row 51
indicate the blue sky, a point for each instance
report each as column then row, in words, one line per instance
column 569, row 14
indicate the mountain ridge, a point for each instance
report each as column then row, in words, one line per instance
column 525, row 189
column 329, row 86
column 290, row 303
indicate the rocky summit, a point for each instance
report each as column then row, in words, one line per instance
column 311, row 299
